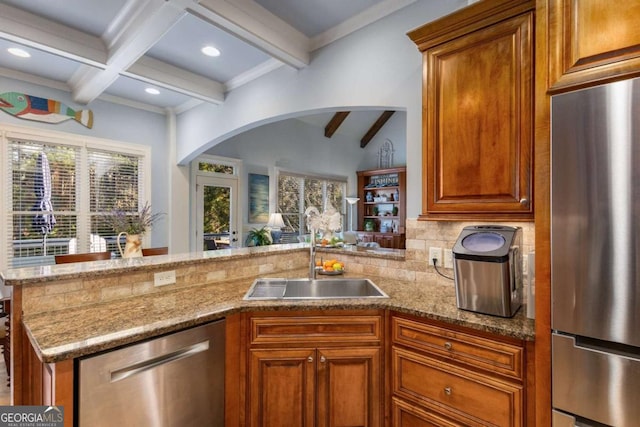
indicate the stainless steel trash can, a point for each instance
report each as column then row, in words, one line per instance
column 488, row 269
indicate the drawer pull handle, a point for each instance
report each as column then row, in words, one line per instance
column 448, row 345
column 310, row 359
column 322, row 359
column 447, row 391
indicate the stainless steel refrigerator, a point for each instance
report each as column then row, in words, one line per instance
column 595, row 255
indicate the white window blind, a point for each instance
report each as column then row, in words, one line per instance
column 114, row 184
column 41, row 228
column 60, row 209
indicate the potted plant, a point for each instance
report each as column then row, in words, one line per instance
column 259, row 237
column 133, row 227
column 369, row 225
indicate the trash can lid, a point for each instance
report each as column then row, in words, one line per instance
column 483, row 242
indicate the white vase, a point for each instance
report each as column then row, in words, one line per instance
column 132, row 247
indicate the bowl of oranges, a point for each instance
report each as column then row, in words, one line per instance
column 330, row 267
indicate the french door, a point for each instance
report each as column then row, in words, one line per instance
column 216, row 213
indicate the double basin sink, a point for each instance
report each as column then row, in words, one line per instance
column 287, row 289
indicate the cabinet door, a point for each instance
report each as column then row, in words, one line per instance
column 592, row 41
column 349, row 387
column 384, row 240
column 282, row 387
column 478, row 124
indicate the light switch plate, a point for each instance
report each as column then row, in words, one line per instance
column 448, row 258
column 164, row 278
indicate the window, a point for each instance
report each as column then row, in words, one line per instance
column 59, row 188
column 297, row 192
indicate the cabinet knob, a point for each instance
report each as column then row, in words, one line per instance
column 310, row 359
column 448, row 391
column 524, row 201
column 322, row 359
column 447, row 345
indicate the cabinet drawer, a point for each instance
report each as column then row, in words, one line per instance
column 478, row 352
column 407, row 415
column 462, row 395
column 316, row 329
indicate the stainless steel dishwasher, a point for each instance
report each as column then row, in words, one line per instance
column 175, row 380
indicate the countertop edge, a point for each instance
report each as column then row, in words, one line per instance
column 82, row 348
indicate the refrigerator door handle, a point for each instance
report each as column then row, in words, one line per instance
column 560, row 419
column 607, row 348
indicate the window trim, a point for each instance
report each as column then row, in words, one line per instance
column 8, row 132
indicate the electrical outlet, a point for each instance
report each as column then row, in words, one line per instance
column 164, row 278
column 448, row 258
column 437, row 254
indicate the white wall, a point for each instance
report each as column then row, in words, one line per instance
column 116, row 122
column 378, row 66
column 297, row 146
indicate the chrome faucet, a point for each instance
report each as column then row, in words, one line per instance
column 312, row 255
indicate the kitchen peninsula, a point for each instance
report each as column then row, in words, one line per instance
column 71, row 311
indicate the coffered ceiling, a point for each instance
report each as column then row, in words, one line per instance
column 115, row 49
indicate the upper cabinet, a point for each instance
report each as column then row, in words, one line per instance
column 478, row 112
column 592, row 41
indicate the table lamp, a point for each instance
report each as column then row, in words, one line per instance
column 275, row 224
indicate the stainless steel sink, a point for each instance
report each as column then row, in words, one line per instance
column 273, row 289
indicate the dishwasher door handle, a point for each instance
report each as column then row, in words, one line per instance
column 137, row 368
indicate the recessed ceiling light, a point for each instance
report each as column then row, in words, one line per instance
column 210, row 51
column 19, row 52
column 152, row 91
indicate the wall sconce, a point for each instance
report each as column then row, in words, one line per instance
column 276, row 223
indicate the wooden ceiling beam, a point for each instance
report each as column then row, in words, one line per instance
column 335, row 123
column 373, row 130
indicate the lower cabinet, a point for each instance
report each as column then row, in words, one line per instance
column 282, row 387
column 446, row 377
column 315, row 370
column 385, row 240
column 327, row 368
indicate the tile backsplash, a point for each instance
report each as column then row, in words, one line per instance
column 420, row 236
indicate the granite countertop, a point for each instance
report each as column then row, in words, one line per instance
column 75, row 332
column 43, row 273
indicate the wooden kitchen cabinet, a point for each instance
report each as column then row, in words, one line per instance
column 591, row 42
column 478, row 112
column 385, row 240
column 282, row 387
column 450, row 377
column 308, row 370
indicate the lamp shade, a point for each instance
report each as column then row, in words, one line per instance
column 352, row 200
column 275, row 221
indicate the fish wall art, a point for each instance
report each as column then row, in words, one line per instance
column 46, row 110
